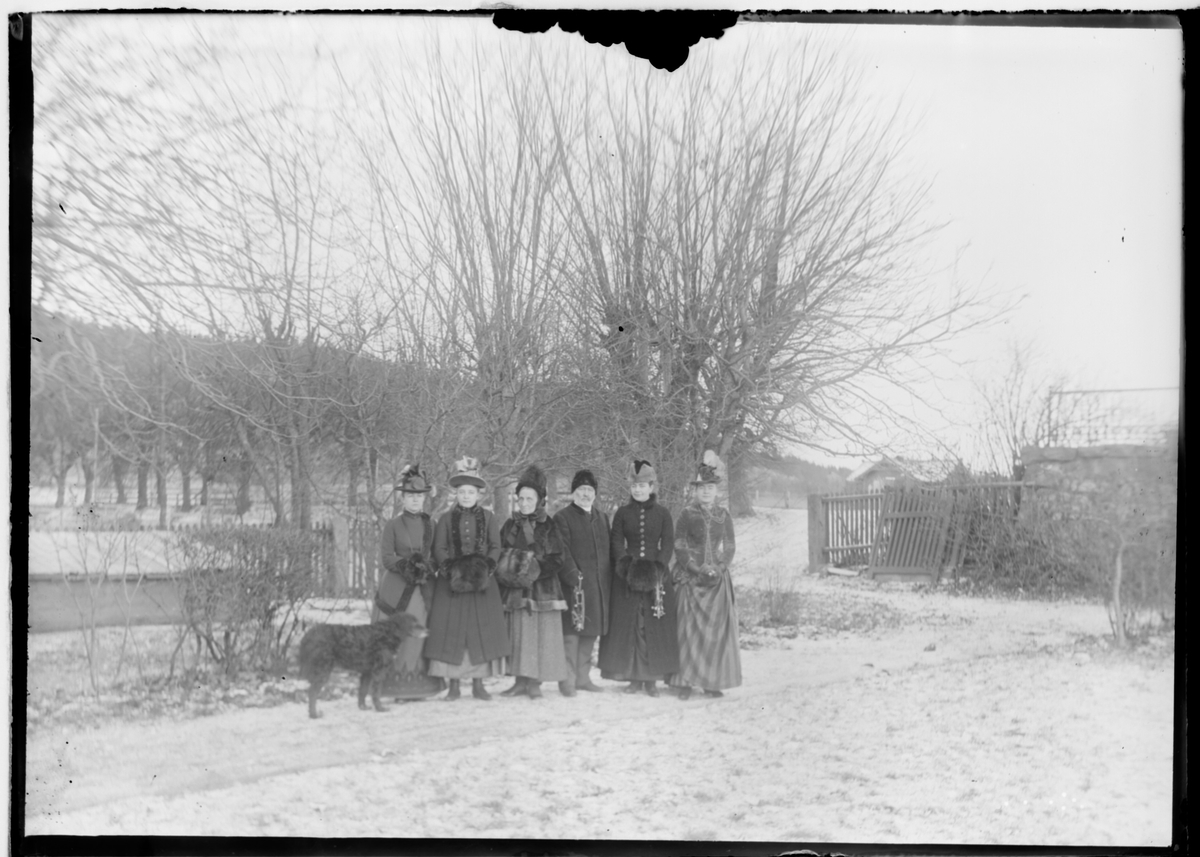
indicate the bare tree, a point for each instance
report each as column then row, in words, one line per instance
column 473, row 248
column 750, row 251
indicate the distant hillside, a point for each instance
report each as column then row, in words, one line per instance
column 793, row 477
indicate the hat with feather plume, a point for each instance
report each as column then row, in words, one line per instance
column 466, row 472
column 709, row 471
column 411, row 480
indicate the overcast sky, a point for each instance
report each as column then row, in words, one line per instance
column 1058, row 163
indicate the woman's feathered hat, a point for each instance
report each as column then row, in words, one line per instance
column 641, row 471
column 533, row 477
column 412, row 481
column 466, row 472
column 709, row 471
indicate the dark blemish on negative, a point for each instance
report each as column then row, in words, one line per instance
column 662, row 37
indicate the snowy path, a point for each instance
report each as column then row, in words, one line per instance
column 849, row 738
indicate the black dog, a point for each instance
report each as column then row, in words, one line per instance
column 365, row 649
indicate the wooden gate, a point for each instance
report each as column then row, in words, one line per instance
column 365, row 533
column 911, row 536
column 841, row 528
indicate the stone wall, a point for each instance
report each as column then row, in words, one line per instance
column 1118, row 492
column 1149, row 469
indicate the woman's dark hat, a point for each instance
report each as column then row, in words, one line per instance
column 584, row 477
column 641, row 471
column 412, row 481
column 709, row 471
column 706, row 475
column 466, row 472
column 533, row 477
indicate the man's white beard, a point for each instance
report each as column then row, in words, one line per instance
column 586, row 508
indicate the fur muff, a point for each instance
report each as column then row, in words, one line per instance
column 469, row 573
column 643, row 575
column 517, row 569
column 414, row 569
column 365, row 649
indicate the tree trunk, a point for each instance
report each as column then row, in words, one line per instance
column 740, row 502
column 143, row 484
column 89, row 480
column 60, row 479
column 205, row 479
column 160, row 490
column 354, row 465
column 186, row 476
column 119, row 467
column 301, row 496
column 242, row 505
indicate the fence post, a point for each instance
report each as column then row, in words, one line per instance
column 816, row 533
column 340, row 559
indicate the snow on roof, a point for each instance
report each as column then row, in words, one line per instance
column 921, row 469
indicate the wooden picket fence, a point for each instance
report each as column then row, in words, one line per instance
column 906, row 531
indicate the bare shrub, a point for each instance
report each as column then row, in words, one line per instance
column 1115, row 542
column 776, row 603
column 242, row 589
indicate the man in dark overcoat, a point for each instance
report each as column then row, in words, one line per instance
column 587, row 570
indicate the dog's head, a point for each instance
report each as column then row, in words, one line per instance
column 409, row 624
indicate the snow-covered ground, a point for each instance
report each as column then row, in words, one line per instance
column 949, row 720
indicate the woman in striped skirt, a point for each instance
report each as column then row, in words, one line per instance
column 707, row 619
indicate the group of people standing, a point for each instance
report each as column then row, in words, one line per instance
column 530, row 598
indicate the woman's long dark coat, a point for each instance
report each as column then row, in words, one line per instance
column 586, row 537
column 639, row 645
column 394, row 591
column 466, row 621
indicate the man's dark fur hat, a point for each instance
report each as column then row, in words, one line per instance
column 643, row 575
column 584, row 477
column 468, row 573
column 517, row 569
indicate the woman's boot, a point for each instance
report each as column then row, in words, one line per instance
column 454, row 693
column 634, row 687
column 477, row 690
column 685, row 693
column 651, row 689
column 533, row 689
column 517, row 689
